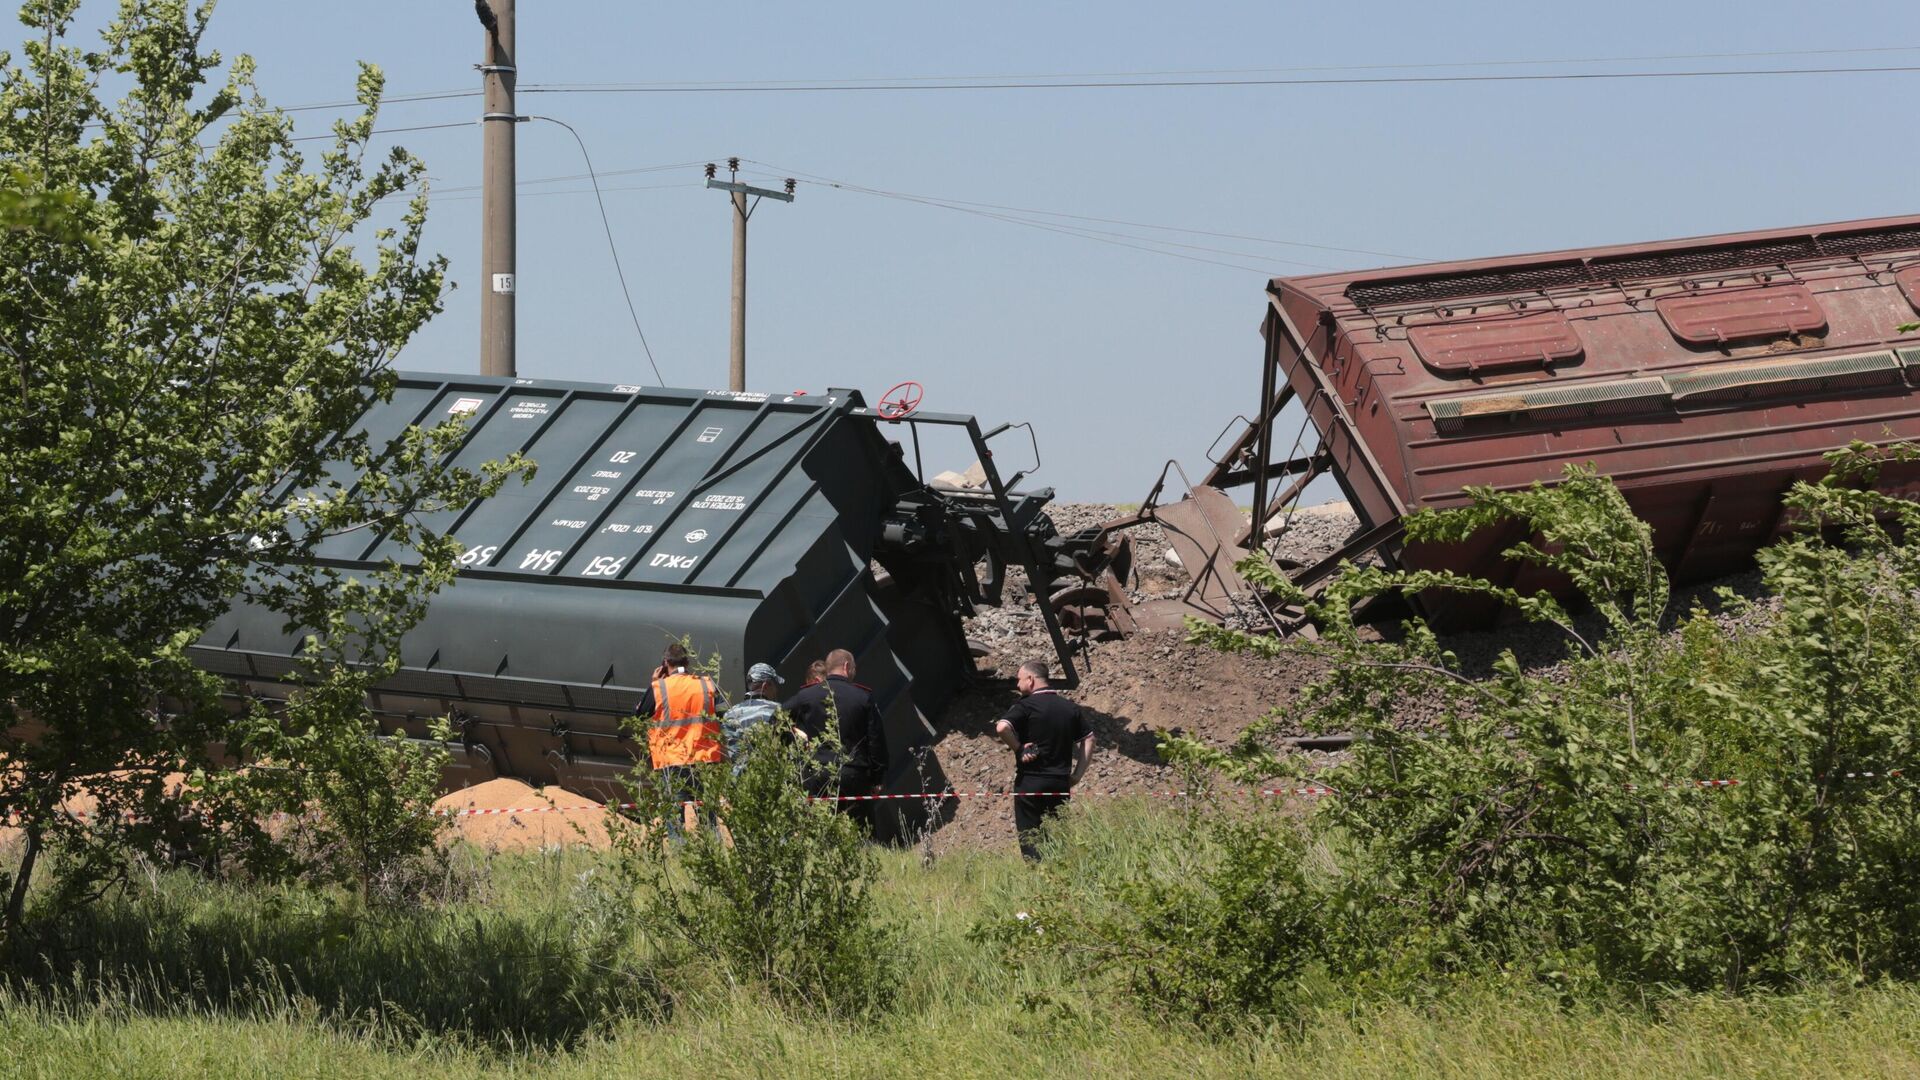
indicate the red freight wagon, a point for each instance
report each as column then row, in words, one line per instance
column 1703, row 375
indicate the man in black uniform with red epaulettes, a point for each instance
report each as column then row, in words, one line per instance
column 863, row 740
column 1052, row 744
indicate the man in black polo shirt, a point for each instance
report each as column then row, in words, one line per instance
column 1052, row 743
column 863, row 738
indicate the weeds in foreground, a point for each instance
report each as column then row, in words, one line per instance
column 511, row 974
column 958, row 1012
column 773, row 891
column 1555, row 824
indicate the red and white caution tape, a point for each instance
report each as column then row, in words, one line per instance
column 1308, row 792
column 1690, row 783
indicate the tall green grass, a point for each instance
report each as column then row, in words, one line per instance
column 183, row 978
column 1860, row 1034
column 515, row 967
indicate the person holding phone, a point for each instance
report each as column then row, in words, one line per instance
column 1052, row 743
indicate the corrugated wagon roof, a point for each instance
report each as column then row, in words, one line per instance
column 1579, row 267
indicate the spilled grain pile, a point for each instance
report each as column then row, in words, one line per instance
column 560, row 818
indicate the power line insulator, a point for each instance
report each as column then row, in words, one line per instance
column 733, row 164
column 790, row 185
column 712, row 170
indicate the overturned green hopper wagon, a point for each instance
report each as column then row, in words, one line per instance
column 759, row 527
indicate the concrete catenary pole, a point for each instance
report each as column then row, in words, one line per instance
column 737, row 367
column 737, row 362
column 497, row 224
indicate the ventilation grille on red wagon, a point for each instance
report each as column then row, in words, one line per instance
column 1705, row 385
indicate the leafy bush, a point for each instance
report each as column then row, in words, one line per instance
column 368, row 821
column 1208, row 918
column 1554, row 822
column 781, row 896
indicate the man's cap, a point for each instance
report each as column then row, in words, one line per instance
column 760, row 673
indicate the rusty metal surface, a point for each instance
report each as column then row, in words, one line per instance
column 1201, row 529
column 1546, row 272
column 1719, row 316
column 1709, row 374
column 1909, row 280
column 1502, row 343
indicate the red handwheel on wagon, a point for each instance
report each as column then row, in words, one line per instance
column 900, row 402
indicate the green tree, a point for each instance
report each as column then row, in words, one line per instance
column 27, row 207
column 188, row 333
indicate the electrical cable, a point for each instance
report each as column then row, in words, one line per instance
column 389, row 131
column 1152, row 73
column 1148, row 84
column 456, row 94
column 858, row 188
column 1106, row 236
column 635, row 171
column 474, row 196
column 1140, row 243
column 397, row 99
column 611, row 246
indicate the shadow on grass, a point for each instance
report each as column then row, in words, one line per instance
column 510, row 980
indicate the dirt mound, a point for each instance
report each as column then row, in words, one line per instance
column 1133, row 690
column 561, row 818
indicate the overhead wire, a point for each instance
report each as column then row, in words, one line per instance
column 634, row 171
column 1157, row 245
column 1152, row 73
column 472, row 196
column 1166, row 83
column 1124, row 240
column 863, row 189
column 1060, row 220
column 1113, row 238
column 1152, row 245
column 396, row 99
column 990, row 211
column 457, row 93
column 612, row 247
column 1138, row 243
column 388, row 131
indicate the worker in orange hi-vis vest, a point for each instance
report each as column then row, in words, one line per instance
column 683, row 710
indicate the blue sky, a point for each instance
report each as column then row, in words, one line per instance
column 1121, row 358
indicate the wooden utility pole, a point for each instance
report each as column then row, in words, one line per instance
column 497, row 225
column 737, row 367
